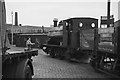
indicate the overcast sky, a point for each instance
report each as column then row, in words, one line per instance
column 42, row 12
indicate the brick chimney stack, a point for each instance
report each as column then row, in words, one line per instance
column 16, row 19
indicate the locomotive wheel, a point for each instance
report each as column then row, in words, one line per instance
column 52, row 54
column 47, row 50
column 68, row 57
column 60, row 56
column 95, row 64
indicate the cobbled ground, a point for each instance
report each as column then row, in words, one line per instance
column 47, row 67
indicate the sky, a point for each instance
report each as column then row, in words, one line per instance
column 42, row 12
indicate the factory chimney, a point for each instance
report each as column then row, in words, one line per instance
column 55, row 20
column 119, row 10
column 16, row 19
column 108, row 14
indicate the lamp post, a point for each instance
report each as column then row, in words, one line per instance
column 12, row 27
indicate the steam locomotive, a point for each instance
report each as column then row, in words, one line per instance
column 72, row 39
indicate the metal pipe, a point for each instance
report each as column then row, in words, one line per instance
column 108, row 14
column 12, row 27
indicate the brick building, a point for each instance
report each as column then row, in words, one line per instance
column 27, row 29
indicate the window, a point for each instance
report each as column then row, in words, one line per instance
column 80, row 24
column 93, row 25
column 67, row 26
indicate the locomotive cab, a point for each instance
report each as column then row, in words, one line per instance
column 79, row 33
column 78, row 36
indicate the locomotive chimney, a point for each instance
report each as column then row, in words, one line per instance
column 55, row 20
column 16, row 19
column 108, row 14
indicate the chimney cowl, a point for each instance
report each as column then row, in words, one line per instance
column 55, row 19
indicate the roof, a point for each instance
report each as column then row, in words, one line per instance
column 82, row 18
column 117, row 23
column 32, row 34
